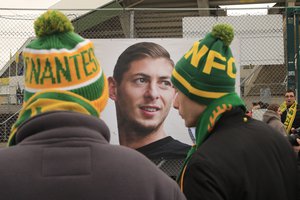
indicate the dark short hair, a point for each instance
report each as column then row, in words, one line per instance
column 273, row 106
column 138, row 51
column 291, row 90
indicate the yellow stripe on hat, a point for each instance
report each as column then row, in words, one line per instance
column 195, row 91
column 59, row 69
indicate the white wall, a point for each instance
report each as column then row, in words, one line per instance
column 260, row 36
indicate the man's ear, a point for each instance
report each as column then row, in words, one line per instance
column 112, row 85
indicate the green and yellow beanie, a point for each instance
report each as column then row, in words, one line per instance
column 207, row 71
column 62, row 60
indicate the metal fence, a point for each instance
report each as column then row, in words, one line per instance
column 260, row 40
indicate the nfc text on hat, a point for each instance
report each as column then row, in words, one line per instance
column 210, row 61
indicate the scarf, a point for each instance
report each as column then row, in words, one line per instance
column 206, row 123
column 290, row 115
column 51, row 100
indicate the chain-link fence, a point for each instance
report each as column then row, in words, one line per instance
column 260, row 40
column 171, row 167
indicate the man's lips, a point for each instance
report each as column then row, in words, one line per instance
column 150, row 108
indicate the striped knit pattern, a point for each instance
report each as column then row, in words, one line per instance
column 61, row 72
column 51, row 64
column 207, row 71
column 51, row 100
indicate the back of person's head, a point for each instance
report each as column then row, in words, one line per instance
column 205, row 79
column 264, row 105
column 62, row 60
column 61, row 72
column 207, row 71
column 273, row 106
column 261, row 104
column 136, row 52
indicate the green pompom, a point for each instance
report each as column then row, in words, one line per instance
column 224, row 32
column 52, row 22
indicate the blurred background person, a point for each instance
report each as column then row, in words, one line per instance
column 290, row 112
column 272, row 118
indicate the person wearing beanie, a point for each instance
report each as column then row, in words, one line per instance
column 59, row 148
column 235, row 156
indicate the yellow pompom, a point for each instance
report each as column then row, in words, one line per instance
column 52, row 22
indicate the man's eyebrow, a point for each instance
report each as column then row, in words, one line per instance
column 141, row 74
column 165, row 77
column 148, row 76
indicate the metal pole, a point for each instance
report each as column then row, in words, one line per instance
column 291, row 83
column 131, row 24
column 297, row 60
column 297, row 55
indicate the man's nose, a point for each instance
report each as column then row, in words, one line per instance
column 152, row 91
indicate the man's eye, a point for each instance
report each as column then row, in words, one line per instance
column 166, row 84
column 140, row 80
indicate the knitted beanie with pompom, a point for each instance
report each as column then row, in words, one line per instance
column 61, row 59
column 207, row 71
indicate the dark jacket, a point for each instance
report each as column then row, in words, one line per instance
column 166, row 148
column 168, row 155
column 242, row 159
column 66, row 155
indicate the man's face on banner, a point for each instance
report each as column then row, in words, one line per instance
column 145, row 94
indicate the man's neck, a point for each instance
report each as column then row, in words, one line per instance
column 132, row 139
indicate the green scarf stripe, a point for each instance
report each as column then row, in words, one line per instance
column 202, row 133
column 61, row 96
column 22, row 118
column 70, row 40
column 66, row 97
column 91, row 92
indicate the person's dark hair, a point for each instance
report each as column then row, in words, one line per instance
column 265, row 105
column 273, row 106
column 136, row 52
column 291, row 90
column 260, row 103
